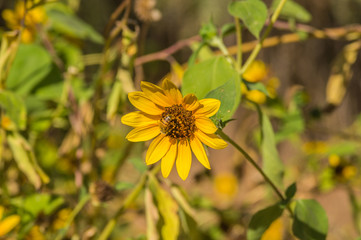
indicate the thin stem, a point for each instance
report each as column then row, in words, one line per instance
column 239, row 43
column 250, row 159
column 260, row 42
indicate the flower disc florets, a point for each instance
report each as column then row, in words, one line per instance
column 177, row 122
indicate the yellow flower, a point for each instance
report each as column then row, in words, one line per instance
column 8, row 223
column 226, row 185
column 34, row 16
column 179, row 126
column 274, row 232
column 258, row 71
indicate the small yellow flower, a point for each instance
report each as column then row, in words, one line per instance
column 334, row 160
column 275, row 231
column 258, row 71
column 9, row 223
column 34, row 16
column 226, row 185
column 348, row 172
column 314, row 147
column 179, row 125
column 35, row 234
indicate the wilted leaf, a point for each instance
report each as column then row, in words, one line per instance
column 151, row 215
column 114, row 99
column 253, row 13
column 167, row 208
column 23, row 160
column 261, row 221
column 341, row 73
column 310, row 220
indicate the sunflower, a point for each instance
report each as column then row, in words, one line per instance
column 179, row 125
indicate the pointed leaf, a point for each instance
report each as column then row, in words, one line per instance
column 310, row 220
column 14, row 108
column 261, row 221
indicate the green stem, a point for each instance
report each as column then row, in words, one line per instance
column 239, row 44
column 250, row 159
column 72, row 216
column 260, row 43
column 127, row 202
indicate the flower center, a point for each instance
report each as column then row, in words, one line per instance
column 177, row 122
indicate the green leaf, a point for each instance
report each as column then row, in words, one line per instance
column 114, row 99
column 229, row 94
column 121, row 186
column 272, row 164
column 65, row 22
column 261, row 221
column 293, row 10
column 310, row 220
column 208, row 31
column 208, row 75
column 14, row 108
column 291, row 191
column 228, row 29
column 31, row 65
column 167, row 208
column 253, row 13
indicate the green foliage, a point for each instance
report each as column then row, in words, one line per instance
column 262, row 220
column 272, row 164
column 253, row 14
column 14, row 108
column 310, row 220
column 293, row 10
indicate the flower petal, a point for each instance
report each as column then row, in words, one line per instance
column 139, row 119
column 8, row 224
column 211, row 140
column 155, row 93
column 141, row 134
column 209, row 108
column 184, row 159
column 157, row 149
column 168, row 160
column 206, row 125
column 172, row 91
column 190, row 102
column 144, row 104
column 199, row 152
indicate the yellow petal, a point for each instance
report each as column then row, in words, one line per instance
column 206, row 125
column 211, row 140
column 2, row 209
column 256, row 96
column 10, row 18
column 155, row 93
column 141, row 134
column 157, row 149
column 144, row 104
column 190, row 102
column 198, row 150
column 184, row 159
column 209, row 107
column 8, row 224
column 168, row 160
column 172, row 91
column 139, row 119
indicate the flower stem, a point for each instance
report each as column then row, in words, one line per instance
column 250, row 159
column 260, row 42
column 239, row 43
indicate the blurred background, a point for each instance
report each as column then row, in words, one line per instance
column 315, row 155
